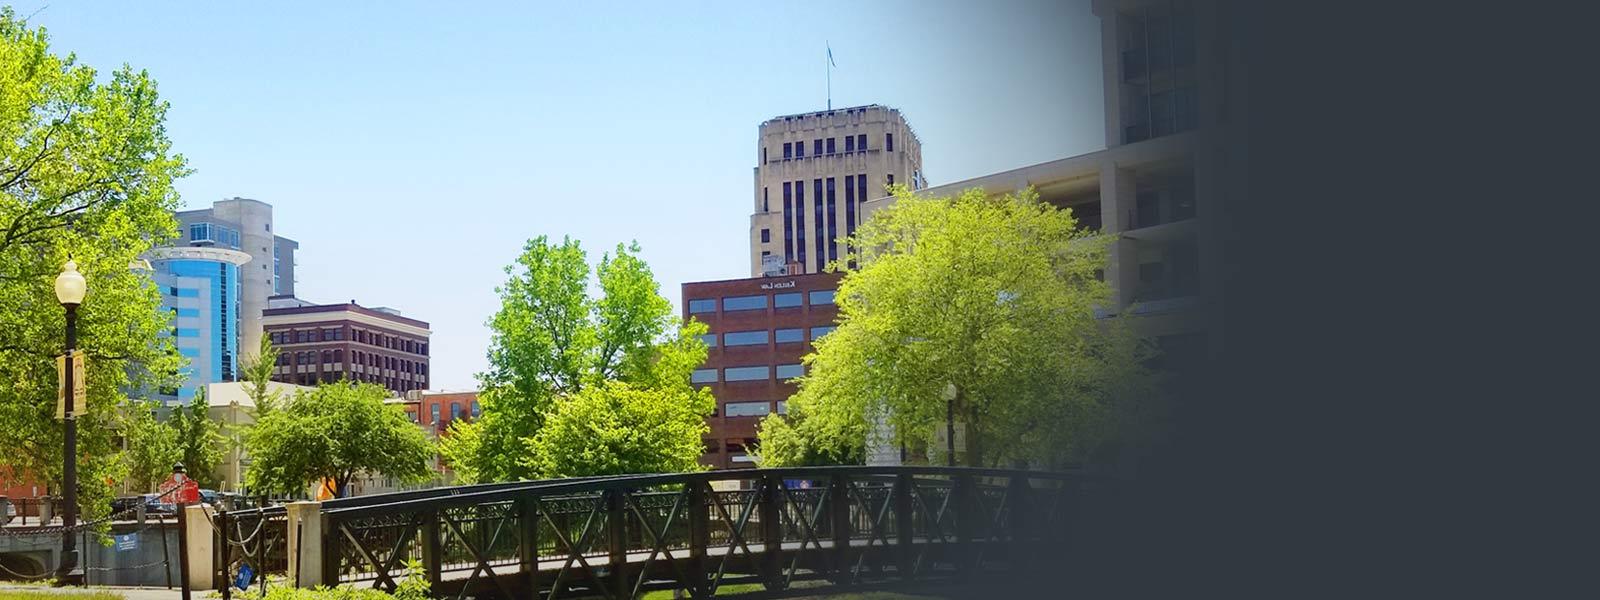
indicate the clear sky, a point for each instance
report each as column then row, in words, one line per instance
column 411, row 148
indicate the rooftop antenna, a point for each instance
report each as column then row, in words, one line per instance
column 830, row 73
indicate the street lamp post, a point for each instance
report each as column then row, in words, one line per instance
column 70, row 289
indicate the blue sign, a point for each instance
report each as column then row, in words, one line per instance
column 127, row 541
column 246, row 575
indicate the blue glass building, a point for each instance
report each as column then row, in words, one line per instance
column 201, row 287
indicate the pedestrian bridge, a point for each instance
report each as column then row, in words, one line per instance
column 826, row 528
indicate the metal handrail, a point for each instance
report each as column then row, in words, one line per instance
column 629, row 482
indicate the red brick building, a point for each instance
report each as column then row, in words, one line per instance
column 328, row 342
column 760, row 327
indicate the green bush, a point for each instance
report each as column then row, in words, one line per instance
column 412, row 587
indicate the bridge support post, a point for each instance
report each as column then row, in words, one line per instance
column 305, row 543
column 905, row 549
column 699, row 538
column 528, row 533
column 617, row 543
column 199, row 552
column 431, row 548
column 1020, row 549
column 772, row 531
column 966, row 515
column 839, row 522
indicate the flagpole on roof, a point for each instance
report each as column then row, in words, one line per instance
column 829, row 66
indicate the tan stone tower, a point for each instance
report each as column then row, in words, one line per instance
column 812, row 173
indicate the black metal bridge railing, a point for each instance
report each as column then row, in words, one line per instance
column 619, row 537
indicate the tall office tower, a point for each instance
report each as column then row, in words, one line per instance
column 200, row 285
column 245, row 225
column 814, row 170
column 1157, row 187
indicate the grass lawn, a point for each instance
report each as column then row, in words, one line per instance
column 43, row 595
column 729, row 590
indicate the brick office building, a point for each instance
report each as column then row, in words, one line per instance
column 760, row 327
column 320, row 343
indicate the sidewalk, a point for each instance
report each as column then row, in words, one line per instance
column 129, row 593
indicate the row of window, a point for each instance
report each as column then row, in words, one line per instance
column 759, row 301
column 759, row 337
column 852, row 143
column 751, row 373
column 751, row 409
column 359, row 358
column 392, row 383
column 301, row 336
column 216, row 234
column 455, row 411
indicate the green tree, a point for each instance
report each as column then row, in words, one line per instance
column 981, row 306
column 552, row 343
column 152, row 447
column 200, row 441
column 257, row 375
column 615, row 429
column 86, row 171
column 335, row 432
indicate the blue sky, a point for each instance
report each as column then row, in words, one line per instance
column 413, row 147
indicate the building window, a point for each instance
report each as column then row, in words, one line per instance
column 476, row 410
column 186, row 292
column 434, row 411
column 455, row 410
column 744, row 338
column 818, row 332
column 788, row 150
column 1156, row 46
column 746, row 373
column 849, row 144
column 763, row 155
column 783, row 407
column 849, row 206
column 766, row 235
column 788, row 224
column 733, row 303
column 786, row 300
column 327, row 356
column 710, row 340
column 764, row 207
column 788, row 336
column 800, row 149
column 703, row 376
column 790, row 371
column 820, row 297
column 861, row 142
column 746, row 409
column 830, row 145
column 800, row 221
column 891, row 184
column 816, row 146
column 833, row 229
column 186, row 312
column 706, row 305
column 822, row 256
column 888, row 142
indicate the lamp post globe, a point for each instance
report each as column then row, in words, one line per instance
column 70, row 285
column 70, row 290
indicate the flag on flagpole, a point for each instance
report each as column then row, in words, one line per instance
column 830, row 56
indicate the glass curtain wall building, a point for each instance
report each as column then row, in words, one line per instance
column 201, row 287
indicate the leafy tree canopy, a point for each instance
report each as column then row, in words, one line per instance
column 86, row 171
column 553, row 344
column 335, row 432
column 200, row 440
column 981, row 305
